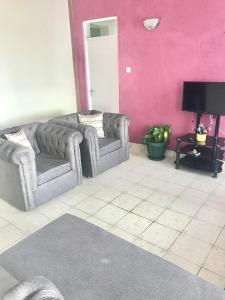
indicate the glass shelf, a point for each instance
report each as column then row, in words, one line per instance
column 205, row 152
column 191, row 139
column 200, row 163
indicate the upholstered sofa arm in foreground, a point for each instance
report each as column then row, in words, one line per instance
column 37, row 288
column 14, row 153
column 17, row 165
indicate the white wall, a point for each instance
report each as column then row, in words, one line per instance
column 36, row 66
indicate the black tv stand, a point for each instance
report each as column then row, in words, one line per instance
column 211, row 152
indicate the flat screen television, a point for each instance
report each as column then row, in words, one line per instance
column 204, row 97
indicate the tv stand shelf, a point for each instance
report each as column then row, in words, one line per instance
column 210, row 153
column 201, row 163
column 190, row 138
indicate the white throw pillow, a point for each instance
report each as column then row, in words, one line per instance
column 95, row 121
column 19, row 137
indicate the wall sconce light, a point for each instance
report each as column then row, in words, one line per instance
column 151, row 24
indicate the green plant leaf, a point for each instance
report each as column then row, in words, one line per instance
column 158, row 134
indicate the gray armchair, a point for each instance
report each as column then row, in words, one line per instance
column 27, row 181
column 100, row 154
column 35, row 288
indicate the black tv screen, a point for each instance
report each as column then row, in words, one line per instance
column 204, row 97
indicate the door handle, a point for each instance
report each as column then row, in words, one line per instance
column 92, row 91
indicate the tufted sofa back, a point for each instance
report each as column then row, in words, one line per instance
column 30, row 131
column 53, row 140
column 71, row 118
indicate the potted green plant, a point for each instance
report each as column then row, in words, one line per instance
column 157, row 140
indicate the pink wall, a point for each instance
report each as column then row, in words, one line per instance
column 189, row 44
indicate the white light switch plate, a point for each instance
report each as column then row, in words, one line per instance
column 128, row 69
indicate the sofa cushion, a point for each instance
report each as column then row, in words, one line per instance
column 30, row 132
column 108, row 144
column 50, row 167
column 19, row 137
column 95, row 120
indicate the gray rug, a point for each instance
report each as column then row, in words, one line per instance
column 86, row 262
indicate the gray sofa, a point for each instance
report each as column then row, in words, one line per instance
column 27, row 181
column 100, row 154
column 36, row 288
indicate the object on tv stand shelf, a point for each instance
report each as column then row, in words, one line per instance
column 194, row 153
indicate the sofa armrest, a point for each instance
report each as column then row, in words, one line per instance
column 13, row 152
column 18, row 164
column 116, row 125
column 19, row 155
column 36, row 288
column 61, row 142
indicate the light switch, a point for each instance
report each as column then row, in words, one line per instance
column 128, row 69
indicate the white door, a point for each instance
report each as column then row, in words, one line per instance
column 103, row 85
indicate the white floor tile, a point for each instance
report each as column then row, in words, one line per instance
column 121, row 185
column 78, row 213
column 30, row 221
column 220, row 191
column 221, row 240
column 122, row 234
column 161, row 199
column 173, row 220
column 182, row 178
column 52, row 209
column 90, row 205
column 172, row 188
column 149, row 247
column 203, row 231
column 182, row 263
column 133, row 224
column 186, row 206
column 110, row 214
column 90, row 187
column 126, row 201
column 9, row 235
column 160, row 235
column 211, row 215
column 216, row 203
column 98, row 223
column 148, row 210
column 140, row 191
column 191, row 249
column 198, row 196
column 151, row 182
column 8, row 211
column 107, row 194
column 72, row 198
column 104, row 179
column 205, row 185
column 212, row 278
column 3, row 222
column 216, row 261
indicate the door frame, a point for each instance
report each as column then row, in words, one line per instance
column 85, row 33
